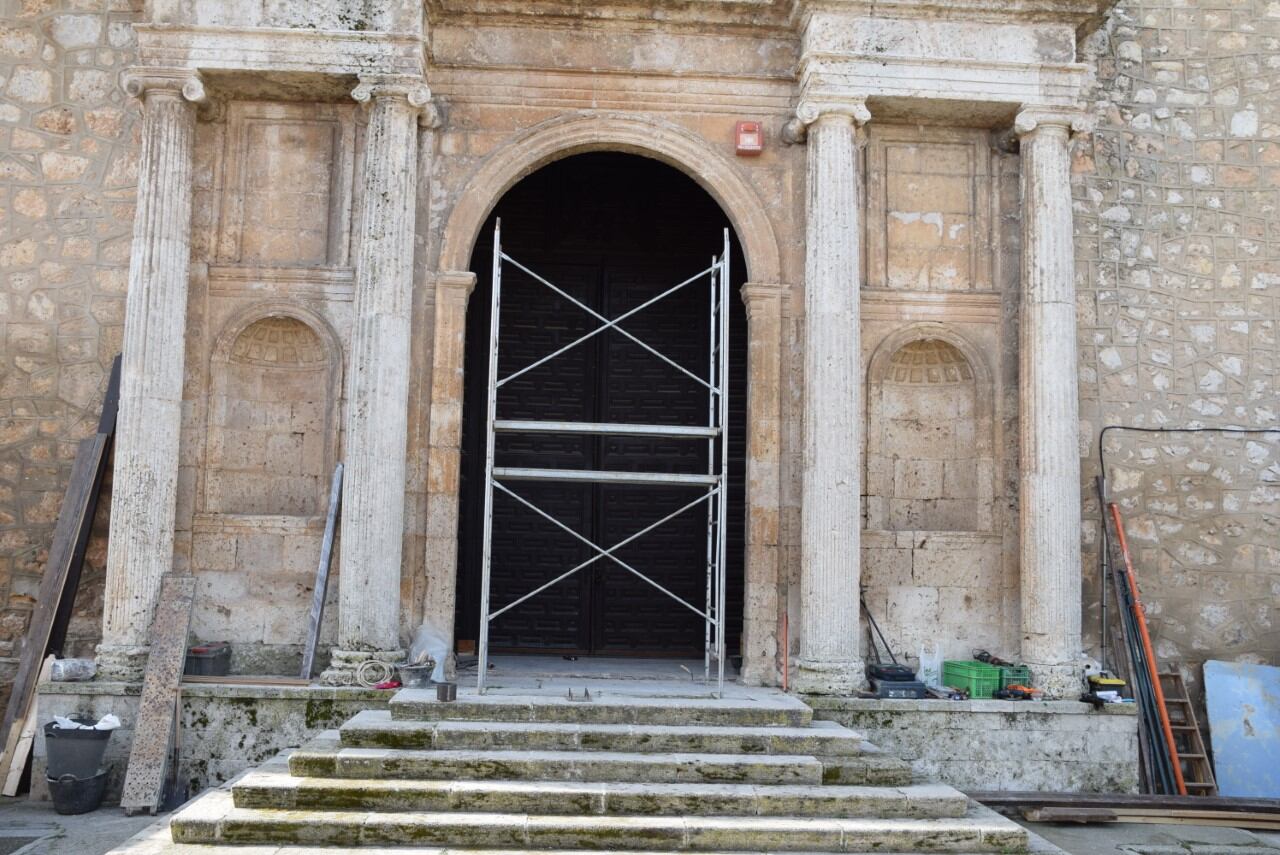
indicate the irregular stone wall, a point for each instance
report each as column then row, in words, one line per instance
column 1178, row 272
column 68, row 164
column 1047, row 746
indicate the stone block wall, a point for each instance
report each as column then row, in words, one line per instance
column 1178, row 276
column 1049, row 746
column 224, row 730
column 68, row 152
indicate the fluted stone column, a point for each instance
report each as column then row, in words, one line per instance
column 830, row 517
column 144, row 486
column 760, row 624
column 378, row 392
column 1049, row 410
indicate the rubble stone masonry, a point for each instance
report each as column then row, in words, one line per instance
column 1178, row 281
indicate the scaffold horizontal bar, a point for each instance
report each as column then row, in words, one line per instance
column 606, row 429
column 594, row 476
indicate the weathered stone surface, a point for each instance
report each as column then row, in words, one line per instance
column 1061, row 746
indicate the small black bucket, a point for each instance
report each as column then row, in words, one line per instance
column 72, row 795
column 77, row 753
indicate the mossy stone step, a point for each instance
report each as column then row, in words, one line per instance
column 413, row 764
column 377, row 729
column 769, row 710
column 218, row 821
column 275, row 788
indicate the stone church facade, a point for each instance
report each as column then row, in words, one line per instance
column 975, row 235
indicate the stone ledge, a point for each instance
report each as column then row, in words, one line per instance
column 223, row 690
column 971, row 706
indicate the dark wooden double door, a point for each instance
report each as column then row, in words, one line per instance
column 604, row 251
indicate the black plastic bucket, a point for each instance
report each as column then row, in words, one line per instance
column 72, row 795
column 77, row 753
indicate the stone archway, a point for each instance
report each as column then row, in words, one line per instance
column 540, row 145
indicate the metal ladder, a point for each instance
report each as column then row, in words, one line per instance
column 712, row 485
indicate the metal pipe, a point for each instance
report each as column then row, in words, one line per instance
column 486, row 558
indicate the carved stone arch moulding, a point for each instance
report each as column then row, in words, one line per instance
column 912, row 482
column 272, row 417
column 575, row 134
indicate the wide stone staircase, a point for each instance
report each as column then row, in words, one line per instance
column 638, row 774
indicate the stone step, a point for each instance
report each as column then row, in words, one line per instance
column 411, row 764
column 377, row 729
column 767, row 709
column 273, row 787
column 218, row 820
column 320, row 759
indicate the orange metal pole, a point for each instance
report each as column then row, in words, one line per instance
column 1151, row 655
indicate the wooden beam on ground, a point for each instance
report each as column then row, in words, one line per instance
column 1120, row 801
column 321, row 589
column 153, row 730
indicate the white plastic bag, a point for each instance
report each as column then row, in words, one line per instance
column 72, row 670
column 430, row 643
column 107, row 722
column 930, row 665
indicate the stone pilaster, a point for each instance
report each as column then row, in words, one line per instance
column 761, row 627
column 373, row 492
column 144, row 485
column 830, row 515
column 444, row 452
column 1049, row 465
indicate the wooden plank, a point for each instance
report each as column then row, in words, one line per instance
column 321, row 589
column 26, row 738
column 154, row 727
column 111, row 402
column 70, row 532
column 999, row 798
column 1068, row 814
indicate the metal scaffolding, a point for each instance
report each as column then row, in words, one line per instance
column 712, row 486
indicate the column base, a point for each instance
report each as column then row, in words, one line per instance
column 827, row 677
column 121, row 663
column 344, row 665
column 1060, row 681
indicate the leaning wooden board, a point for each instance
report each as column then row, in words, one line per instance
column 26, row 738
column 75, row 519
column 158, row 708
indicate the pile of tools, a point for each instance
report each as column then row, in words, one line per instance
column 1160, row 763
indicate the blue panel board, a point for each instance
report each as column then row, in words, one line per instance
column 1244, row 724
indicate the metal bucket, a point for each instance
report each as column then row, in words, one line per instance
column 416, row 676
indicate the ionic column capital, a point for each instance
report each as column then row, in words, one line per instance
column 1032, row 118
column 811, row 111
column 140, row 81
column 411, row 89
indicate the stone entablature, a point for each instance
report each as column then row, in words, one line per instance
column 451, row 111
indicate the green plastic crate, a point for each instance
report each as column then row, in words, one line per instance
column 979, row 679
column 1014, row 675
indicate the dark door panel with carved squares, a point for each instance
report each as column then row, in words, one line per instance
column 613, row 231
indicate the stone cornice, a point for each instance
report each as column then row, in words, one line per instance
column 1079, row 13
column 278, row 49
